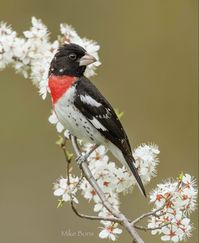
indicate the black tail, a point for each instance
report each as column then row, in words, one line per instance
column 130, row 161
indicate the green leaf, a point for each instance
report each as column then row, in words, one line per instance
column 60, row 141
column 60, row 203
column 119, row 113
column 180, row 176
column 69, row 156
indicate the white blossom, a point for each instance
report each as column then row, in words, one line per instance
column 66, row 190
column 111, row 198
column 88, row 191
column 110, row 231
column 54, row 120
column 31, row 55
column 171, row 233
column 8, row 38
column 146, row 161
column 59, row 127
column 176, row 200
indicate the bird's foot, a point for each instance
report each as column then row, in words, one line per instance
column 82, row 158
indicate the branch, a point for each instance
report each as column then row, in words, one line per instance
column 88, row 175
column 63, row 147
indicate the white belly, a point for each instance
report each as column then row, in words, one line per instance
column 74, row 121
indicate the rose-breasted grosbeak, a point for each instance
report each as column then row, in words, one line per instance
column 82, row 109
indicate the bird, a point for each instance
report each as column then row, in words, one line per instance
column 83, row 110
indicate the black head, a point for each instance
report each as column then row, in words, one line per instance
column 70, row 59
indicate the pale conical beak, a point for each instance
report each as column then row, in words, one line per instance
column 87, row 59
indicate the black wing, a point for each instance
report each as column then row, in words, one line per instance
column 93, row 105
column 101, row 115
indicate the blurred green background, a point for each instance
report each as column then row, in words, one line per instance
column 149, row 71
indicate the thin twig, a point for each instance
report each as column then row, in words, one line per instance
column 84, row 216
column 63, row 146
column 154, row 213
column 151, row 228
column 135, row 221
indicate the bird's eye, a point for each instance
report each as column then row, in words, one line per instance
column 73, row 56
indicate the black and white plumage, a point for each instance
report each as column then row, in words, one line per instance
column 83, row 110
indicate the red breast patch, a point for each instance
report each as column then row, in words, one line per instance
column 58, row 85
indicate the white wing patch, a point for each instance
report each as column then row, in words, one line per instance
column 97, row 124
column 89, row 100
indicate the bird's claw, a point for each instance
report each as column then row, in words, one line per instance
column 83, row 157
column 80, row 159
